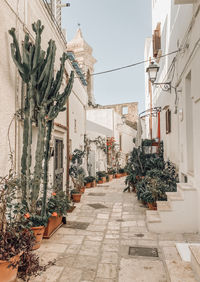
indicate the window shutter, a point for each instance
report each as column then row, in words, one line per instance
column 156, row 41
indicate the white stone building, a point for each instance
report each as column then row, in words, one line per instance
column 69, row 125
column 107, row 123
column 175, row 27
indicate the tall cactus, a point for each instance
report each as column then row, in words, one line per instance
column 42, row 100
column 28, row 63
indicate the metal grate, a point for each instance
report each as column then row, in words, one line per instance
column 97, row 206
column 76, row 225
column 140, row 235
column 96, row 194
column 143, row 252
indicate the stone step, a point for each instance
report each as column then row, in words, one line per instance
column 185, row 187
column 152, row 216
column 175, row 196
column 195, row 260
column 163, row 205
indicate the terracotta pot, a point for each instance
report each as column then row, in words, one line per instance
column 100, row 182
column 152, row 206
column 38, row 233
column 93, row 183
column 71, row 209
column 110, row 177
column 88, row 185
column 54, row 223
column 117, row 175
column 9, row 274
column 104, row 179
column 82, row 189
column 76, row 198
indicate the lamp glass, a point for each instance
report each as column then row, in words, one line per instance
column 152, row 71
column 123, row 119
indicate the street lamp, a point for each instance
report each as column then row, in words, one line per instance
column 152, row 71
column 123, row 118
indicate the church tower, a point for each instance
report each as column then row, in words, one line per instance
column 83, row 55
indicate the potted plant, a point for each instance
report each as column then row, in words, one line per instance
column 57, row 206
column 16, row 238
column 88, row 181
column 76, row 195
column 76, row 170
column 101, row 177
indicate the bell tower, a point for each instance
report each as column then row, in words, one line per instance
column 83, row 55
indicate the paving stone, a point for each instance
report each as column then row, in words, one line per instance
column 110, row 247
column 107, row 271
column 73, row 249
column 180, row 271
column 53, row 248
column 86, row 262
column 88, row 275
column 51, row 274
column 144, row 270
column 89, row 250
column 70, row 275
column 109, row 257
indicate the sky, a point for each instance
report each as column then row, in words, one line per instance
column 116, row 30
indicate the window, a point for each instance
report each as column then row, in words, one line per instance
column 124, row 110
column 168, row 121
column 156, row 41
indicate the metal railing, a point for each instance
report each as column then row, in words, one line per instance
column 57, row 26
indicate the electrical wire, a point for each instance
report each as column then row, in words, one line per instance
column 132, row 65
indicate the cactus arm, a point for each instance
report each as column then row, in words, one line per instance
column 46, row 166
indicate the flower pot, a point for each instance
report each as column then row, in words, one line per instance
column 82, row 190
column 54, row 223
column 110, row 177
column 9, row 274
column 100, row 182
column 93, row 183
column 104, row 179
column 38, row 233
column 71, row 209
column 76, row 198
column 88, row 185
column 152, row 206
column 117, row 175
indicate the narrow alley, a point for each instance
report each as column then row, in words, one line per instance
column 94, row 244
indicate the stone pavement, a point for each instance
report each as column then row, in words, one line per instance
column 100, row 253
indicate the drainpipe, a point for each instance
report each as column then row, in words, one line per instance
column 68, row 159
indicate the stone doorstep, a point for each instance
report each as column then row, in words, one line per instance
column 186, row 187
column 184, row 250
column 164, row 205
column 195, row 260
column 175, row 196
column 153, row 216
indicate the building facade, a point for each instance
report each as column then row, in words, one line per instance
column 175, row 29
column 21, row 15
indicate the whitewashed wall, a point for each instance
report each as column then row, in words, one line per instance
column 20, row 15
column 180, row 29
